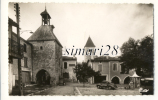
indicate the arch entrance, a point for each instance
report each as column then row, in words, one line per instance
column 127, row 80
column 115, row 80
column 43, row 77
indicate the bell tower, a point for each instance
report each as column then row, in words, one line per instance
column 89, row 47
column 45, row 17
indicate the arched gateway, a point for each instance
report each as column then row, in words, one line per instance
column 127, row 80
column 115, row 80
column 43, row 77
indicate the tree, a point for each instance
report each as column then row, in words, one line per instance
column 146, row 54
column 138, row 55
column 83, row 72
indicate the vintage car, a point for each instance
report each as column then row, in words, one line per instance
column 146, row 86
column 62, row 81
column 106, row 85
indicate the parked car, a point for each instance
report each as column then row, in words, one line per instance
column 106, row 85
column 62, row 81
column 146, row 86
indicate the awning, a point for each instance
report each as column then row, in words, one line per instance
column 134, row 75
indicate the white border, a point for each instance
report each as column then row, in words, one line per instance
column 4, row 51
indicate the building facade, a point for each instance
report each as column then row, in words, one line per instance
column 109, row 67
column 47, row 53
column 25, row 57
column 69, row 64
column 39, row 57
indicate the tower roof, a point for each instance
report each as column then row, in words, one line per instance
column 44, row 33
column 89, row 43
column 45, row 13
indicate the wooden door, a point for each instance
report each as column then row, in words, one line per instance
column 26, row 77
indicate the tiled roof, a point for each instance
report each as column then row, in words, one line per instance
column 44, row 33
column 89, row 43
column 105, row 58
column 69, row 58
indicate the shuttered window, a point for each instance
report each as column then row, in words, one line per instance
column 100, row 67
column 65, row 65
column 114, row 67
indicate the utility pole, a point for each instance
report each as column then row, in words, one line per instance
column 17, row 10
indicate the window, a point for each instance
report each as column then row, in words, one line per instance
column 124, row 69
column 25, row 62
column 65, row 65
column 25, row 48
column 100, row 67
column 41, row 48
column 114, row 67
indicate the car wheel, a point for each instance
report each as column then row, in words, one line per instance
column 109, row 87
column 143, row 94
column 98, row 87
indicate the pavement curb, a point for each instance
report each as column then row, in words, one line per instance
column 78, row 92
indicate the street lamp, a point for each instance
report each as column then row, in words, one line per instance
column 26, row 31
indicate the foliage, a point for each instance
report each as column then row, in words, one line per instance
column 138, row 55
column 84, row 72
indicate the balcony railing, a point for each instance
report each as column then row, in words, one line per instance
column 13, row 49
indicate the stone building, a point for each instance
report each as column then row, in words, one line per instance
column 69, row 63
column 110, row 67
column 47, row 53
column 89, row 50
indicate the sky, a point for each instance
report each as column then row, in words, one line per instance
column 106, row 24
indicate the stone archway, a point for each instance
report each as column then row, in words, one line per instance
column 115, row 80
column 42, row 77
column 127, row 80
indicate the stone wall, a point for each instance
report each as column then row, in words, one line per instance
column 58, row 61
column 46, row 55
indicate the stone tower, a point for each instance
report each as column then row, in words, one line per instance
column 47, row 53
column 89, row 50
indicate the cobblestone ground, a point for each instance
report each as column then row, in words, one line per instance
column 29, row 89
column 95, row 91
column 92, row 90
column 68, row 89
column 88, row 89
